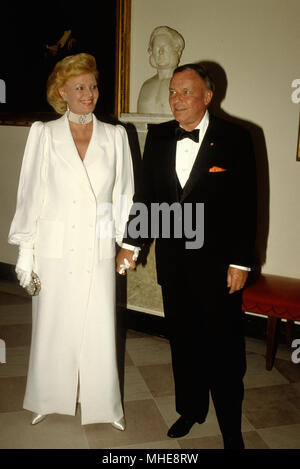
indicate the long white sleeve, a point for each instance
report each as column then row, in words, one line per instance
column 31, row 188
column 124, row 183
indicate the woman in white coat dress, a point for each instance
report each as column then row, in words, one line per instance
column 74, row 196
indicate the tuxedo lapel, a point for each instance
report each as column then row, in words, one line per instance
column 201, row 164
column 169, row 168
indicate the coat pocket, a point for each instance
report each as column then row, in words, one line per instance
column 50, row 238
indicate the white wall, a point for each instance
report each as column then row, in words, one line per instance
column 12, row 144
column 257, row 44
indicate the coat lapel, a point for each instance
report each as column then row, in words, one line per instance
column 66, row 149
column 201, row 164
column 170, row 179
column 98, row 144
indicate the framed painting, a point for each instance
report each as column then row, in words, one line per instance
column 34, row 40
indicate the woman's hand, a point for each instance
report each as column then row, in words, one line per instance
column 24, row 266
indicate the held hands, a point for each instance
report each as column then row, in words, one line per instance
column 236, row 279
column 24, row 266
column 125, row 260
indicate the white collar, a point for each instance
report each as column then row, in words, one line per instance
column 203, row 124
column 80, row 118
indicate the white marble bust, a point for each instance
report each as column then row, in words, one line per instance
column 165, row 49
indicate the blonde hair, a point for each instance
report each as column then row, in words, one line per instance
column 71, row 66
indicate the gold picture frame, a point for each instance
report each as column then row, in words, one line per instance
column 122, row 57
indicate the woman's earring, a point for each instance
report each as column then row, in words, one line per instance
column 65, row 100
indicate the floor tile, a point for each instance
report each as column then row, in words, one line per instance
column 206, row 442
column 135, row 386
column 55, row 432
column 258, row 376
column 159, row 379
column 270, row 406
column 288, row 369
column 210, row 427
column 283, row 437
column 149, row 351
column 144, row 425
column 253, row 440
column 128, row 361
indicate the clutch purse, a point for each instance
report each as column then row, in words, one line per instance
column 34, row 287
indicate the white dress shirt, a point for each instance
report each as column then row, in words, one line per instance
column 187, row 151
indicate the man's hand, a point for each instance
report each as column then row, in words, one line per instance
column 236, row 279
column 120, row 260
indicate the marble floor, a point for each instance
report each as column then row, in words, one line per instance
column 271, row 412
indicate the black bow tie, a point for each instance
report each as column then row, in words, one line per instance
column 181, row 133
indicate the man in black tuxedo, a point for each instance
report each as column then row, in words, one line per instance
column 200, row 159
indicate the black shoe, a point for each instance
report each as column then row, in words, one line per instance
column 181, row 427
column 234, row 442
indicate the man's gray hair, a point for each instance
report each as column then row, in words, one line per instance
column 201, row 71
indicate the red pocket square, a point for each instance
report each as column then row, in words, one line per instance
column 216, row 169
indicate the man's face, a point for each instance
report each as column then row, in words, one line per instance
column 188, row 98
column 163, row 53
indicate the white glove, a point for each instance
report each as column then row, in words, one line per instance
column 24, row 266
column 135, row 254
column 124, row 266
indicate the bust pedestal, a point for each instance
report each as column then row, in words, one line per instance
column 141, row 121
column 143, row 291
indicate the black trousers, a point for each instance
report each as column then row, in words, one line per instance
column 205, row 327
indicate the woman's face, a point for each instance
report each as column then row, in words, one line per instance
column 81, row 93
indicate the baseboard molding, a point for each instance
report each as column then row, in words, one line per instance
column 255, row 326
column 144, row 322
